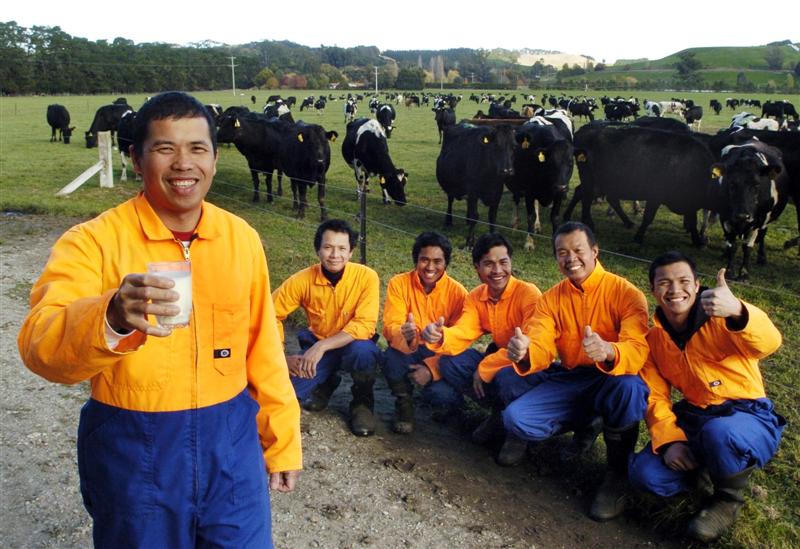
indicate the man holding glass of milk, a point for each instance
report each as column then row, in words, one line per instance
column 192, row 415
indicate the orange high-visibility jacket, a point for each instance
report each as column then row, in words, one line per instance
column 481, row 316
column 612, row 306
column 404, row 295
column 716, row 364
column 351, row 306
column 63, row 337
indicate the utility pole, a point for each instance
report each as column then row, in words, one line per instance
column 376, row 80
column 233, row 76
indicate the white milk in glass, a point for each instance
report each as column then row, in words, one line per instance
column 183, row 285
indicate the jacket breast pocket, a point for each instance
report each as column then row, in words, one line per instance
column 231, row 331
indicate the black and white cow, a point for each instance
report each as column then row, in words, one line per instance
column 474, row 163
column 350, row 110
column 636, row 163
column 106, row 119
column 753, row 193
column 694, row 114
column 652, row 108
column 280, row 110
column 58, row 118
column 385, row 114
column 125, row 140
column 365, row 149
column 320, row 104
column 581, row 108
column 308, row 102
column 215, row 110
column 753, row 122
column 543, row 159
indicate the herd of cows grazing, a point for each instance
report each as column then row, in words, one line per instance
column 745, row 174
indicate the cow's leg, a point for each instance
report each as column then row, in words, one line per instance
column 617, row 207
column 123, row 174
column 323, row 211
column 537, row 223
column 472, row 219
column 729, row 254
column 586, row 209
column 576, row 197
column 690, row 224
column 704, row 226
column 532, row 209
column 448, row 219
column 268, row 180
column 295, row 201
column 256, row 182
column 280, row 183
column 515, row 212
column 555, row 219
column 649, row 214
column 761, row 258
column 53, row 135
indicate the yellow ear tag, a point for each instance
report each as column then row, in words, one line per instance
column 333, row 138
column 541, row 156
column 237, row 124
column 581, row 157
column 383, row 181
column 716, row 173
column 526, row 143
column 300, row 137
column 486, row 140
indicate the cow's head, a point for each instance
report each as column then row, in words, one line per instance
column 747, row 180
column 66, row 133
column 91, row 140
column 395, row 185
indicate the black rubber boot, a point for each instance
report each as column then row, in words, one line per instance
column 721, row 513
column 322, row 393
column 609, row 502
column 583, row 439
column 513, row 451
column 403, row 392
column 362, row 421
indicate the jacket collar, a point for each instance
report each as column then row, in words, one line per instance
column 415, row 282
column 592, row 281
column 321, row 280
column 154, row 228
column 697, row 317
column 483, row 295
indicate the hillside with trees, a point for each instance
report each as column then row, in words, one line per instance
column 47, row 60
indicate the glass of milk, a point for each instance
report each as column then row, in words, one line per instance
column 181, row 273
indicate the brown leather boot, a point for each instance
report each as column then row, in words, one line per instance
column 721, row 513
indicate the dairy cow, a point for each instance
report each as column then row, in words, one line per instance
column 58, row 119
column 366, row 151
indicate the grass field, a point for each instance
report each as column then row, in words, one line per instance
column 32, row 170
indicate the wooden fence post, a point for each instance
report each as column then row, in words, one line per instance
column 104, row 166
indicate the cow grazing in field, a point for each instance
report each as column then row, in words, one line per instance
column 779, row 110
column 543, row 159
column 694, row 114
column 58, row 118
column 350, row 110
column 445, row 117
column 305, row 158
column 636, row 163
column 258, row 138
column 279, row 110
column 715, row 105
column 753, row 193
column 106, row 119
column 752, row 122
column 474, row 163
column 385, row 114
column 732, row 103
column 125, row 140
column 365, row 149
column 411, row 100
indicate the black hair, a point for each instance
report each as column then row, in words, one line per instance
column 337, row 226
column 169, row 105
column 432, row 238
column 486, row 242
column 668, row 258
column 571, row 227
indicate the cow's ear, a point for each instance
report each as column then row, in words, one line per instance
column 300, row 137
column 580, row 156
column 332, row 135
column 717, row 171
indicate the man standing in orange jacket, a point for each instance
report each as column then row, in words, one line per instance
column 706, row 343
column 179, row 420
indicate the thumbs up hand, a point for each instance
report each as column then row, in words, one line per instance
column 433, row 332
column 720, row 301
column 409, row 328
column 597, row 348
column 517, row 348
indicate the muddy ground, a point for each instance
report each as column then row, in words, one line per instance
column 433, row 489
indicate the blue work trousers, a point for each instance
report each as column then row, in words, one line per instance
column 459, row 371
column 437, row 393
column 187, row 479
column 360, row 355
column 726, row 439
column 564, row 399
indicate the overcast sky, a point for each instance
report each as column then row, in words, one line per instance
column 604, row 31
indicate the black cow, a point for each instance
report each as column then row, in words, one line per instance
column 475, row 162
column 366, row 151
column 305, row 158
column 581, row 108
column 753, row 193
column 445, row 117
column 125, row 140
column 58, row 118
column 543, row 159
column 258, row 138
column 778, row 110
column 106, row 119
column 716, row 105
column 320, row 104
column 693, row 114
column 732, row 103
column 636, row 163
column 618, row 111
column 385, row 114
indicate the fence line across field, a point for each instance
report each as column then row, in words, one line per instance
column 343, row 213
column 767, row 373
